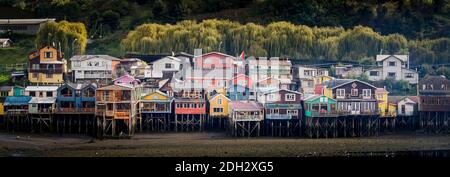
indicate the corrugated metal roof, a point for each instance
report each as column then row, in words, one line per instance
column 43, row 100
column 87, row 57
column 41, row 88
column 245, row 105
column 17, row 100
column 24, row 21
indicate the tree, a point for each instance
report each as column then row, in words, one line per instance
column 62, row 35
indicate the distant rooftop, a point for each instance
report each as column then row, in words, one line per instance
column 24, row 21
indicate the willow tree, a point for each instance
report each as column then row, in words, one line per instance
column 358, row 43
column 70, row 37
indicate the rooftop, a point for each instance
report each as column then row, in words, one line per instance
column 24, row 21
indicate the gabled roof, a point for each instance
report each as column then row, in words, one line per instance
column 435, row 80
column 381, row 90
column 403, row 58
column 2, row 40
column 245, row 105
column 340, row 82
column 158, row 92
column 218, row 53
column 24, row 21
column 169, row 57
column 116, row 87
column 219, row 94
column 126, row 75
column 79, row 86
column 88, row 57
column 278, row 90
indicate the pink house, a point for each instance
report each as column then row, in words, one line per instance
column 126, row 79
column 214, row 60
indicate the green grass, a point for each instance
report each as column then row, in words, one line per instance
column 18, row 53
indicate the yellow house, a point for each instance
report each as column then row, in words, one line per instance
column 156, row 102
column 328, row 92
column 218, row 105
column 385, row 109
column 4, row 92
column 213, row 92
column 320, row 79
column 46, row 66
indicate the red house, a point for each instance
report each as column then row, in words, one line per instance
column 214, row 60
column 190, row 110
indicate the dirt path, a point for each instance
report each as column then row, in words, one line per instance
column 211, row 144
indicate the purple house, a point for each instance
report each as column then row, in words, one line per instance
column 126, row 79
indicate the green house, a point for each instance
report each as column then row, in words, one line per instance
column 320, row 106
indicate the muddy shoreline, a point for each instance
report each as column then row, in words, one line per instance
column 216, row 144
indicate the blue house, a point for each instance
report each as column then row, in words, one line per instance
column 17, row 104
column 239, row 93
column 76, row 98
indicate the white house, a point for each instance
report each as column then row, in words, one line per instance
column 348, row 71
column 4, row 43
column 164, row 67
column 406, row 105
column 43, row 98
column 393, row 67
column 306, row 75
column 100, row 68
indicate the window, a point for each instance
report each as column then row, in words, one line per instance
column 391, row 74
column 292, row 112
column 32, row 94
column 168, row 65
column 403, row 109
column 409, row 75
column 271, row 97
column 392, row 63
column 35, row 66
column 218, row 109
column 48, row 54
column 367, row 93
column 219, row 101
column 48, row 75
column 49, row 94
column 373, row 73
column 35, row 75
column 5, row 93
column 290, row 97
column 340, row 93
column 105, row 95
column 354, row 92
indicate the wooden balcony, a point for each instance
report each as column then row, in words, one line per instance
column 122, row 115
column 75, row 110
column 247, row 118
column 315, row 113
column 34, row 70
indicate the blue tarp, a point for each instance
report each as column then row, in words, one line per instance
column 17, row 100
